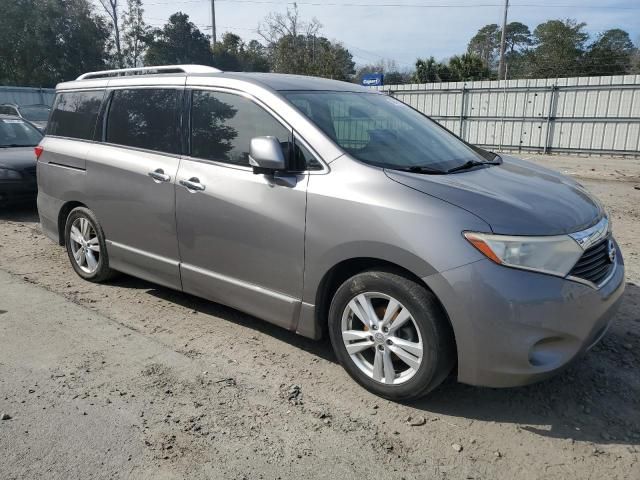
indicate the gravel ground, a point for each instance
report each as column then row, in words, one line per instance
column 132, row 380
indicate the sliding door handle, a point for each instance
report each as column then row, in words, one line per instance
column 159, row 175
column 192, row 184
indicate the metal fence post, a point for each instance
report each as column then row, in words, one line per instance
column 462, row 111
column 550, row 117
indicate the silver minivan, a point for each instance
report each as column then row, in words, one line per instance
column 330, row 209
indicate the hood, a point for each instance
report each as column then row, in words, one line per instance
column 514, row 198
column 17, row 158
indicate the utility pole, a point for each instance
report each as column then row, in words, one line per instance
column 501, row 69
column 213, row 23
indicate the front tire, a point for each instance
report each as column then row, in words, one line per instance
column 86, row 246
column 391, row 335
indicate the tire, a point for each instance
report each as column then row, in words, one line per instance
column 96, row 270
column 427, row 327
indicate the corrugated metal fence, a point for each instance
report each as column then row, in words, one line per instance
column 595, row 115
column 26, row 95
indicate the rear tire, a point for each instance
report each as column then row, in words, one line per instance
column 405, row 355
column 86, row 246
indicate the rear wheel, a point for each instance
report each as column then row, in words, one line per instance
column 391, row 335
column 86, row 246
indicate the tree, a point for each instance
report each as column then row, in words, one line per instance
column 255, row 57
column 485, row 44
column 294, row 46
column 430, row 71
column 559, row 46
column 517, row 38
column 461, row 68
column 111, row 9
column 43, row 42
column 233, row 55
column 468, row 67
column 426, row 71
column 610, row 54
column 134, row 34
column 635, row 62
column 178, row 42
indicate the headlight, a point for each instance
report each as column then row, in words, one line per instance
column 555, row 255
column 6, row 174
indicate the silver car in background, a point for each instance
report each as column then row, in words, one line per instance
column 36, row 114
column 327, row 208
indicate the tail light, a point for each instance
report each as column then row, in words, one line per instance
column 38, row 151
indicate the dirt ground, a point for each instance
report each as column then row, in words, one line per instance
column 132, row 380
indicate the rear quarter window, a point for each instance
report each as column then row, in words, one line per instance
column 74, row 114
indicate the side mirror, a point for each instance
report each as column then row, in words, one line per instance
column 266, row 155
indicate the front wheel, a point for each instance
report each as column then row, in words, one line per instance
column 391, row 335
column 86, row 246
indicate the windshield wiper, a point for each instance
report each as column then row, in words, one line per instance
column 470, row 164
column 14, row 145
column 419, row 169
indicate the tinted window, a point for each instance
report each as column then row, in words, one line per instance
column 223, row 124
column 17, row 133
column 380, row 130
column 144, row 118
column 303, row 159
column 8, row 111
column 35, row 113
column 74, row 114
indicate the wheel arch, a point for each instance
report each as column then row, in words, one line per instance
column 64, row 212
column 346, row 269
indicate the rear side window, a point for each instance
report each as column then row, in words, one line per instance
column 74, row 114
column 223, row 124
column 144, row 118
column 8, row 111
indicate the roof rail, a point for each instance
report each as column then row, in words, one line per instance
column 123, row 72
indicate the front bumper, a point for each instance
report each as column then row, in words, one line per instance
column 513, row 327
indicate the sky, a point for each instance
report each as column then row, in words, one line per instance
column 401, row 30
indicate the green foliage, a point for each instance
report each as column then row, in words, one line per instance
column 467, row 67
column 611, row 54
column 178, row 42
column 231, row 54
column 486, row 44
column 559, row 46
column 135, row 33
column 295, row 46
column 460, row 68
column 43, row 42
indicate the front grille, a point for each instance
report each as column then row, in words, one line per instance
column 594, row 265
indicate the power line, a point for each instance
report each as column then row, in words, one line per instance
column 407, row 5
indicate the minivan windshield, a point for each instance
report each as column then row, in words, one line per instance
column 382, row 131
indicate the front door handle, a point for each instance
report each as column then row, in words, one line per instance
column 159, row 176
column 193, row 184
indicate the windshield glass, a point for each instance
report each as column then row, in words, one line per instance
column 18, row 133
column 35, row 113
column 382, row 131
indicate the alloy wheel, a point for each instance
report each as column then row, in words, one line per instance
column 85, row 245
column 382, row 338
